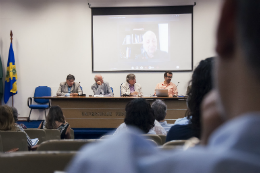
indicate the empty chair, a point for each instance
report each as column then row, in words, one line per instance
column 40, row 91
column 156, row 138
column 32, row 162
column 36, row 133
column 163, row 138
column 52, row 134
column 12, row 139
column 64, row 145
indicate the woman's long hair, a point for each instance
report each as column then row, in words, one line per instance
column 139, row 114
column 55, row 114
column 201, row 84
column 6, row 118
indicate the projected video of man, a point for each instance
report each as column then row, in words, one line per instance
column 142, row 42
column 150, row 50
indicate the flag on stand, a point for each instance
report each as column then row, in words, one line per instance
column 11, row 76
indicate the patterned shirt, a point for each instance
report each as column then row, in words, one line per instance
column 29, row 141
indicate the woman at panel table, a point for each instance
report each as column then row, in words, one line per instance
column 130, row 87
column 56, row 120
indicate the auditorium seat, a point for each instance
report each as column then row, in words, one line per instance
column 152, row 141
column 72, row 134
column 14, row 139
column 106, row 136
column 163, row 138
column 175, row 143
column 36, row 133
column 156, row 138
column 64, row 145
column 1, row 144
column 35, row 162
column 52, row 134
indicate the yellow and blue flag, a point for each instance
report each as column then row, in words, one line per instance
column 11, row 76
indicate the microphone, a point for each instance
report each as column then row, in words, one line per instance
column 177, row 84
column 81, row 90
column 176, row 87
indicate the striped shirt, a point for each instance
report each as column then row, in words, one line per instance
column 29, row 141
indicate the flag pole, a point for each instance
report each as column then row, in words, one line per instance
column 11, row 35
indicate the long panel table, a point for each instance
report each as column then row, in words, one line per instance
column 109, row 112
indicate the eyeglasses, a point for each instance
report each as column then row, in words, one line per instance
column 169, row 77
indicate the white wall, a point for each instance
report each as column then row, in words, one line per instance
column 52, row 38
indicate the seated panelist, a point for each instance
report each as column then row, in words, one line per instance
column 130, row 87
column 167, row 84
column 100, row 87
column 69, row 88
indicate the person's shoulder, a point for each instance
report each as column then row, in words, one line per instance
column 76, row 84
column 106, row 83
column 172, row 84
column 137, row 84
column 62, row 83
column 160, row 83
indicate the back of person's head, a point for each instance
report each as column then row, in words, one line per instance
column 6, row 118
column 201, row 84
column 15, row 114
column 55, row 114
column 139, row 114
column 160, row 109
column 248, row 31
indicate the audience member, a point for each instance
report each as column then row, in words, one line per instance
column 7, row 123
column 15, row 114
column 167, row 84
column 100, row 87
column 160, row 110
column 56, row 120
column 69, row 88
column 201, row 85
column 140, row 114
column 130, row 87
column 231, row 146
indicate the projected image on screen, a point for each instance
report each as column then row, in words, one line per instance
column 142, row 42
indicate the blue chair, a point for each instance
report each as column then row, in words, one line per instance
column 120, row 88
column 40, row 91
column 112, row 89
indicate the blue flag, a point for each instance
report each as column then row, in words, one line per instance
column 11, row 76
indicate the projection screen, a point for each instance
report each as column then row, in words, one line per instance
column 142, row 39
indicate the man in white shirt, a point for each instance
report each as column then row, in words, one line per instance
column 231, row 113
column 160, row 110
column 130, row 87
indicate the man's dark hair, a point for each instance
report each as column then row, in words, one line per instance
column 201, row 84
column 160, row 109
column 55, row 114
column 248, row 22
column 70, row 77
column 139, row 114
column 165, row 74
